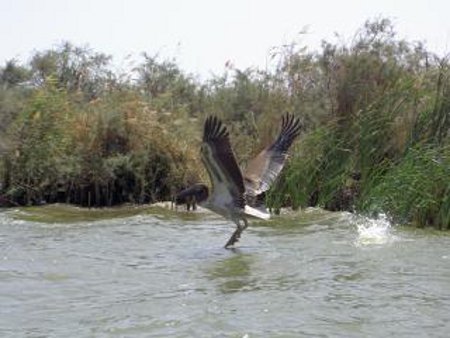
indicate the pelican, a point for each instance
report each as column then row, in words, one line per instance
column 236, row 195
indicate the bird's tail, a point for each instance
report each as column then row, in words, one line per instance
column 262, row 214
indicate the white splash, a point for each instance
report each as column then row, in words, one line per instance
column 373, row 231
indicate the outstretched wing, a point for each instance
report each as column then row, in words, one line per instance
column 263, row 170
column 220, row 162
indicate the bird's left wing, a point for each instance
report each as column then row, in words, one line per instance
column 220, row 162
column 263, row 170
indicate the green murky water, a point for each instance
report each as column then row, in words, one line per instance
column 151, row 272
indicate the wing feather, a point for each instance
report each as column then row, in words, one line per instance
column 220, row 162
column 263, row 170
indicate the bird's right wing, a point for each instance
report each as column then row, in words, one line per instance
column 263, row 170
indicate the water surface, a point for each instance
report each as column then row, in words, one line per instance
column 150, row 272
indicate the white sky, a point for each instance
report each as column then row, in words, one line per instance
column 203, row 34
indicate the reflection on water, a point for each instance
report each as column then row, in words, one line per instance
column 157, row 273
column 233, row 274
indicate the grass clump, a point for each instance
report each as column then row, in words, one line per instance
column 416, row 189
column 104, row 152
column 387, row 122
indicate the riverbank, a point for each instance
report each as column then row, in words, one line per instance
column 69, row 213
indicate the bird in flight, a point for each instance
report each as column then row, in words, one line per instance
column 234, row 194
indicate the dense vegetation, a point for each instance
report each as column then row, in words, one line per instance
column 376, row 115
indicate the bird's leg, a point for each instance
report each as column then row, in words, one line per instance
column 234, row 237
column 245, row 224
column 237, row 233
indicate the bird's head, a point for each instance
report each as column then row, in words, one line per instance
column 197, row 193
